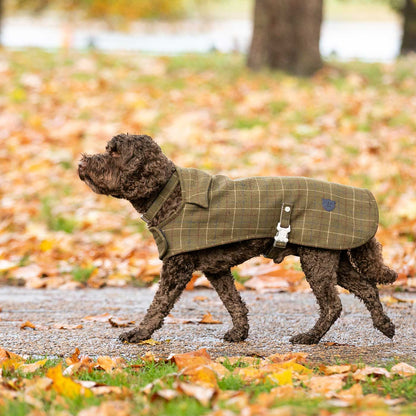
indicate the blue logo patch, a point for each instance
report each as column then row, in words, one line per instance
column 328, row 204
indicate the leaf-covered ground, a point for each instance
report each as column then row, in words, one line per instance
column 351, row 123
column 195, row 384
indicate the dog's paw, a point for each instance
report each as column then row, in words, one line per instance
column 236, row 335
column 304, row 339
column 134, row 336
column 387, row 328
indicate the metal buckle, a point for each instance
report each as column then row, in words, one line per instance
column 281, row 237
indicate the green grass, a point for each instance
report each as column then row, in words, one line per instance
column 56, row 222
column 82, row 274
column 248, row 123
column 164, row 374
column 395, row 387
column 14, row 408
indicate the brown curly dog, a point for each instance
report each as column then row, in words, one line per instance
column 134, row 168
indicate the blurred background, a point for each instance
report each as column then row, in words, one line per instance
column 324, row 89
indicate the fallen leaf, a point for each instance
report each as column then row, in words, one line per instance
column 12, row 363
column 238, row 359
column 74, row 357
column 108, row 364
column 363, row 373
column 6, row 265
column 201, row 375
column 299, row 357
column 108, row 408
column 192, row 359
column 166, row 394
column 5, row 355
column 292, row 365
column 67, row 326
column 335, row 369
column 403, row 369
column 150, row 342
column 249, row 374
column 325, row 385
column 281, row 378
column 148, row 357
column 203, row 394
column 31, row 368
column 208, row 319
column 65, row 385
column 351, row 395
column 27, row 324
column 104, row 317
column 219, row 370
column 119, row 322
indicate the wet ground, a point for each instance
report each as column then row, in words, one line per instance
column 274, row 318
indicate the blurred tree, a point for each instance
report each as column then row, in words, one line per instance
column 286, row 36
column 407, row 9
column 112, row 11
column 1, row 19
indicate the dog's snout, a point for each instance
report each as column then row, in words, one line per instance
column 82, row 165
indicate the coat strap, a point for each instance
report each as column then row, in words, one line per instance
column 161, row 198
column 283, row 229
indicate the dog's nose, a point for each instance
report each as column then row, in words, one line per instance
column 81, row 168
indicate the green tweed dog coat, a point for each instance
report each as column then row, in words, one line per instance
column 216, row 210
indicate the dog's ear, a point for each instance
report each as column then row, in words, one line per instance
column 146, row 166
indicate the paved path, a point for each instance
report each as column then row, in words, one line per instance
column 274, row 317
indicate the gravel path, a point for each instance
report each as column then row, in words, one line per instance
column 274, row 317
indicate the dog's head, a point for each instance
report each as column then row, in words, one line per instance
column 131, row 168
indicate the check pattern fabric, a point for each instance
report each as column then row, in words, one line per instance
column 217, row 210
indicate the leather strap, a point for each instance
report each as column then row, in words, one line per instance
column 161, row 198
column 283, row 229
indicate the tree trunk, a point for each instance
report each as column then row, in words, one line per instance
column 1, row 20
column 286, row 36
column 409, row 27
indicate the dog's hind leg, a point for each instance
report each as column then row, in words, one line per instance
column 176, row 273
column 320, row 268
column 367, row 291
column 223, row 283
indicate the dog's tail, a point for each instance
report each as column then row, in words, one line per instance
column 367, row 260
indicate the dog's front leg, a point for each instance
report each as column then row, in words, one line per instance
column 223, row 283
column 176, row 273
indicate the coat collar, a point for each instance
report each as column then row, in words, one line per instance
column 194, row 186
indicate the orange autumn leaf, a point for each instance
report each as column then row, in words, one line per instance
column 31, row 368
column 67, row 326
column 120, row 323
column 208, row 319
column 363, row 373
column 299, row 357
column 201, row 375
column 6, row 355
column 108, row 364
column 325, row 385
column 104, row 317
column 74, row 357
column 65, row 385
column 192, row 359
column 335, row 369
column 27, row 324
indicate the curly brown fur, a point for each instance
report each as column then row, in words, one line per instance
column 134, row 168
